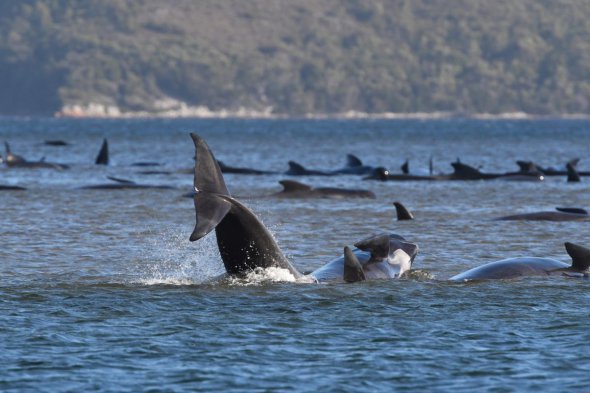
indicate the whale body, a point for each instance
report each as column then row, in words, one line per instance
column 524, row 267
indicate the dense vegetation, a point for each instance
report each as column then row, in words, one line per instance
column 318, row 56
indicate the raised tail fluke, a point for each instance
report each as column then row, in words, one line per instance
column 210, row 190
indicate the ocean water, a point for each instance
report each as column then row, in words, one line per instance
column 102, row 291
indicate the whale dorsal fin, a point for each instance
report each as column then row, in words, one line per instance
column 573, row 210
column 580, row 256
column 353, row 161
column 119, row 180
column 526, row 166
column 103, row 155
column 291, row 186
column 296, row 168
column 211, row 193
column 572, row 174
column 353, row 271
column 464, row 169
column 405, row 167
column 7, row 148
column 574, row 162
column 402, row 212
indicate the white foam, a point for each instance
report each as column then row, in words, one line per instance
column 261, row 276
column 171, row 259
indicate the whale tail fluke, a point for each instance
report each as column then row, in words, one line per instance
column 580, row 257
column 103, row 155
column 402, row 212
column 210, row 190
column 353, row 270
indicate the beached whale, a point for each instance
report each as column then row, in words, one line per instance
column 242, row 170
column 123, row 184
column 245, row 244
column 15, row 161
column 461, row 171
column 560, row 214
column 294, row 189
column 523, row 267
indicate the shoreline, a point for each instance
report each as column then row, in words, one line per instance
column 97, row 111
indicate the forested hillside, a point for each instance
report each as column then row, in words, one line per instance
column 296, row 57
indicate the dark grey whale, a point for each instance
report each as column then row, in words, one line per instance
column 354, row 166
column 523, row 267
column 123, row 184
column 560, row 214
column 11, row 188
column 296, row 169
column 245, row 244
column 15, row 161
column 294, row 189
column 242, row 170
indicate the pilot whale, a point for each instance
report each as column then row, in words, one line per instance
column 15, row 161
column 521, row 267
column 245, row 244
column 560, row 214
column 294, row 189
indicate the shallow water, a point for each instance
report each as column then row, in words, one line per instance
column 101, row 290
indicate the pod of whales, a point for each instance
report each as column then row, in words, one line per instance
column 293, row 189
column 245, row 244
column 523, row 267
column 461, row 171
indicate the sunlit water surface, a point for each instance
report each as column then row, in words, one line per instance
column 102, row 291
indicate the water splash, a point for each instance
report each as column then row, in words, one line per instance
column 260, row 276
column 172, row 259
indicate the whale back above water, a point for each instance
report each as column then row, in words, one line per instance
column 294, row 189
column 523, row 267
column 561, row 214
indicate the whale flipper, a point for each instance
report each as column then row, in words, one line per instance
column 103, row 155
column 580, row 257
column 402, row 212
column 244, row 242
column 353, row 161
column 353, row 270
